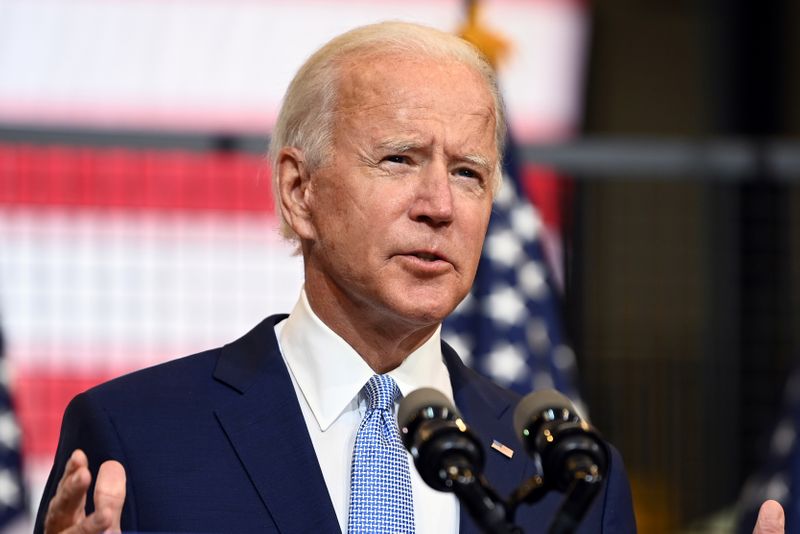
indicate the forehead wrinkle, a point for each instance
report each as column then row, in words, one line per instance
column 365, row 94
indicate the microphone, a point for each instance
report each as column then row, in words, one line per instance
column 574, row 457
column 449, row 456
column 437, row 438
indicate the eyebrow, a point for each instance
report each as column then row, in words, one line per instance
column 399, row 145
column 478, row 160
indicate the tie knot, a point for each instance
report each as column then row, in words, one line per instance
column 381, row 392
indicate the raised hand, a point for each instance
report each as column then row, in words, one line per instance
column 66, row 515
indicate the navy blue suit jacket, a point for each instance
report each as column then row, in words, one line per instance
column 216, row 442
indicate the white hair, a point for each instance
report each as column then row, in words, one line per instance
column 306, row 118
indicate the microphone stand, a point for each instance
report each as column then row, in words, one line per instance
column 449, row 457
column 481, row 501
column 586, row 483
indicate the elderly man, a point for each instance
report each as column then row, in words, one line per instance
column 386, row 158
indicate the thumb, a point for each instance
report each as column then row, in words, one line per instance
column 770, row 519
column 109, row 492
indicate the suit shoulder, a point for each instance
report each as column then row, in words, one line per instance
column 174, row 375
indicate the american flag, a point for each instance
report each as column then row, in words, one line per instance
column 12, row 489
column 509, row 327
column 779, row 478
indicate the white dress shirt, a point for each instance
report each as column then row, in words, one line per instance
column 328, row 375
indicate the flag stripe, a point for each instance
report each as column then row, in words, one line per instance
column 125, row 179
column 41, row 399
column 169, row 180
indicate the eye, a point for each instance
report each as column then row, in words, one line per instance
column 466, row 172
column 397, row 158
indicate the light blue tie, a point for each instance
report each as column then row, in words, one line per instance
column 380, row 482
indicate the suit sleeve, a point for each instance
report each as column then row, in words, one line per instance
column 87, row 426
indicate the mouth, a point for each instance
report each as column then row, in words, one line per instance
column 427, row 261
column 427, row 256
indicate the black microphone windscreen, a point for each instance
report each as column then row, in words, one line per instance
column 537, row 402
column 418, row 400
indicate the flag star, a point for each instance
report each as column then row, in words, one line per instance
column 506, row 364
column 564, row 357
column 462, row 345
column 505, row 306
column 10, row 491
column 505, row 196
column 532, row 280
column 9, row 430
column 525, row 221
column 783, row 439
column 503, row 247
column 538, row 336
column 777, row 488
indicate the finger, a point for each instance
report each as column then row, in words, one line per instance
column 98, row 522
column 109, row 492
column 770, row 519
column 67, row 505
column 77, row 460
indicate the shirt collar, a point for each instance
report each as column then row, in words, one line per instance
column 330, row 373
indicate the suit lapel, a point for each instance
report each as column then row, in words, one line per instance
column 265, row 425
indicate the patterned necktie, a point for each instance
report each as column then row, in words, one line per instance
column 380, row 482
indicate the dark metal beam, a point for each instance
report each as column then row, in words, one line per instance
column 637, row 158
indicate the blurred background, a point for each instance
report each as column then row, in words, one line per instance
column 660, row 271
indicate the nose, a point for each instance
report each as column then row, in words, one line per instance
column 433, row 197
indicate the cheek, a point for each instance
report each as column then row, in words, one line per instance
column 476, row 225
column 335, row 213
column 348, row 233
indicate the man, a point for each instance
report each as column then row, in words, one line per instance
column 386, row 158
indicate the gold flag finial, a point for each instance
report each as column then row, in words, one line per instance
column 492, row 45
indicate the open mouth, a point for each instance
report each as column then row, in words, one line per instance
column 426, row 256
column 427, row 262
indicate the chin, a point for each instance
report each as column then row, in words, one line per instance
column 426, row 317
column 427, row 311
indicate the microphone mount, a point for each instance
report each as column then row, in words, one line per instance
column 450, row 458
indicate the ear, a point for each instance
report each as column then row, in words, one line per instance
column 294, row 190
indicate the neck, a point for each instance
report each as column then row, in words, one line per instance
column 383, row 341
